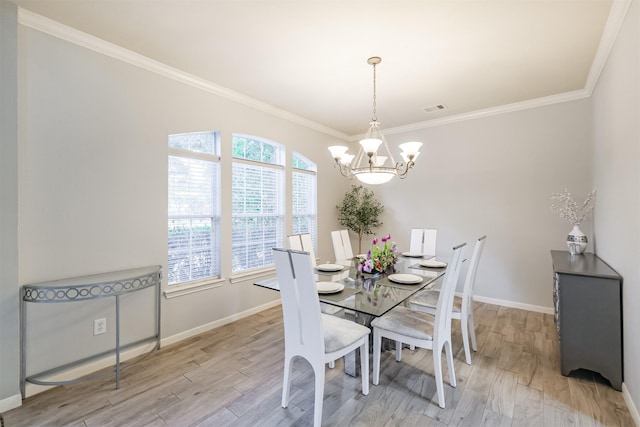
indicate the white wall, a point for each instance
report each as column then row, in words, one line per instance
column 495, row 176
column 9, row 314
column 93, row 186
column 616, row 139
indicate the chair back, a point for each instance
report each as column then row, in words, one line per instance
column 303, row 332
column 423, row 241
column 415, row 245
column 302, row 242
column 429, row 242
column 341, row 245
column 470, row 280
column 444, row 307
column 295, row 242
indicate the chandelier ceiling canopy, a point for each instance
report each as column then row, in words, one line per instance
column 374, row 163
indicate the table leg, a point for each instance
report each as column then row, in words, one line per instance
column 352, row 360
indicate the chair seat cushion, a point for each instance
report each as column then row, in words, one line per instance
column 339, row 332
column 429, row 298
column 405, row 321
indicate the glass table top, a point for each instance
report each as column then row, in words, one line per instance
column 371, row 294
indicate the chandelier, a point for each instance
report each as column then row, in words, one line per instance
column 370, row 165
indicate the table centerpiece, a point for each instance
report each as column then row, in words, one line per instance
column 568, row 209
column 379, row 260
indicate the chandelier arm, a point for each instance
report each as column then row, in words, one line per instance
column 345, row 170
column 402, row 169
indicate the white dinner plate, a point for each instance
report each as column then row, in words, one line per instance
column 329, row 287
column 330, row 267
column 412, row 254
column 405, row 278
column 433, row 263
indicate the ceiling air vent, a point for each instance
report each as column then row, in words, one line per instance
column 433, row 108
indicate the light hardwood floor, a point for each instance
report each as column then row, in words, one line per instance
column 232, row 376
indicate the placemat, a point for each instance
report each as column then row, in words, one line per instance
column 434, row 270
column 409, row 286
column 339, row 296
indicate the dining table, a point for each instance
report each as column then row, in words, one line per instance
column 363, row 296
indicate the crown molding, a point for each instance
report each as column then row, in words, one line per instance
column 617, row 14
column 612, row 27
column 493, row 111
column 614, row 23
column 64, row 32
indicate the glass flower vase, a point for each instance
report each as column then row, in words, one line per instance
column 576, row 240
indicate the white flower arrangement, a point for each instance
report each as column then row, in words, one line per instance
column 568, row 208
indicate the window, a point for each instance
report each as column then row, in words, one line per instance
column 194, row 216
column 257, row 202
column 303, row 195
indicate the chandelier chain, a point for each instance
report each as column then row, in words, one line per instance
column 375, row 116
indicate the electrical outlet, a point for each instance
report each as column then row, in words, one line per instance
column 100, row 326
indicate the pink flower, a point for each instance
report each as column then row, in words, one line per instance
column 386, row 238
column 374, row 241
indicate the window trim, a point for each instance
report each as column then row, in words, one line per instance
column 191, row 286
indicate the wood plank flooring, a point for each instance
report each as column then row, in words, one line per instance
column 232, row 376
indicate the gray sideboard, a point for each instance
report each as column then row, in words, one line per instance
column 587, row 296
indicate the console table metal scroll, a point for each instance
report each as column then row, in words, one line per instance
column 85, row 288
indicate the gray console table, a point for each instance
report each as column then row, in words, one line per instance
column 587, row 296
column 85, row 288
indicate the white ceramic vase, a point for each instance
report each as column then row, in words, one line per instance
column 576, row 240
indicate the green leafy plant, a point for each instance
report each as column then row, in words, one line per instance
column 360, row 212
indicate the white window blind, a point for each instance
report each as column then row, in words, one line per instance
column 193, row 208
column 303, row 196
column 257, row 199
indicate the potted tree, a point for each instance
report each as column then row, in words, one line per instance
column 360, row 212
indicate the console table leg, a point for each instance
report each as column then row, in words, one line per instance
column 23, row 346
column 117, row 342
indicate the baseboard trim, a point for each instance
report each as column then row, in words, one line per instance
column 10, row 403
column 513, row 304
column 109, row 361
column 630, row 405
column 216, row 324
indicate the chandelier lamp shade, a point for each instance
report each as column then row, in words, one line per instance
column 374, row 163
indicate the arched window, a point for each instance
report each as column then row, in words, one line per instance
column 258, row 201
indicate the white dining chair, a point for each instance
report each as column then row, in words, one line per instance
column 429, row 242
column 415, row 245
column 341, row 245
column 302, row 242
column 295, row 242
column 423, row 241
column 426, row 301
column 310, row 334
column 404, row 325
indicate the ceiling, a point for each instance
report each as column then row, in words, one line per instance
column 309, row 57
